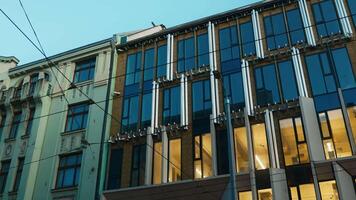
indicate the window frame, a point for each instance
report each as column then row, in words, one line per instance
column 70, row 113
column 19, row 170
column 4, row 173
column 168, row 108
column 77, row 168
column 205, row 98
column 184, row 58
column 15, row 123
column 274, row 35
column 324, row 22
column 33, row 83
column 137, row 71
column 201, row 155
column 88, row 65
column 141, row 161
column 30, row 120
column 290, row 32
column 170, row 162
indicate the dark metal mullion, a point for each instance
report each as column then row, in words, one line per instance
column 333, row 67
column 277, row 75
column 287, row 32
column 296, row 138
column 323, row 72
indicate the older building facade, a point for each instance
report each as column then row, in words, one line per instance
column 288, row 70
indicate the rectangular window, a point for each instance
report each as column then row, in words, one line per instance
column 246, row 195
column 305, row 191
column 295, row 25
column 241, row 149
column 352, row 116
column 30, row 121
column 157, row 163
column 129, row 114
column 174, row 164
column 84, row 70
column 229, row 45
column 2, row 122
column 77, row 117
column 203, row 50
column 335, row 140
column 149, row 64
column 133, row 68
column 260, row 146
column 352, row 7
column 114, row 177
column 18, row 91
column 287, row 80
column 295, row 148
column 186, row 54
column 146, row 110
column 233, row 89
column 326, row 19
column 201, row 99
column 18, row 174
column 33, row 83
column 16, row 120
column 265, row 194
column 328, row 72
column 267, row 91
column 202, row 156
column 138, row 165
column 162, row 61
column 247, row 39
column 276, row 34
column 69, row 170
column 171, row 105
column 328, row 190
column 4, row 171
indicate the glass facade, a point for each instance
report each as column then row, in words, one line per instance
column 201, row 99
column 174, row 164
column 202, row 156
column 241, row 149
column 138, row 165
column 146, row 110
column 133, row 68
column 247, row 39
column 233, row 89
column 260, row 146
column 171, row 105
column 288, row 81
column 149, row 64
column 129, row 114
column 229, row 48
column 326, row 19
column 267, row 91
column 162, row 61
column 203, row 49
column 335, row 140
column 186, row 55
column 295, row 148
column 295, row 26
column 114, row 177
column 275, row 30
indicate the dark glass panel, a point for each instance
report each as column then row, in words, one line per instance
column 295, row 25
column 288, row 82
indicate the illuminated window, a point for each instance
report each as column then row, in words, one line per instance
column 241, row 149
column 328, row 190
column 265, row 194
column 301, row 192
column 247, row 195
column 202, row 156
column 294, row 145
column 157, row 163
column 174, row 169
column 335, row 141
column 352, row 116
column 260, row 146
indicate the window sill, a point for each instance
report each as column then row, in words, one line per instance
column 12, row 193
column 10, row 140
column 80, row 84
column 25, row 136
column 72, row 132
column 66, row 189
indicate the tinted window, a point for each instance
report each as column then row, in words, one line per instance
column 295, row 25
column 16, row 120
column 276, row 34
column 201, row 99
column 247, row 39
column 138, row 165
column 233, row 89
column 83, row 71
column 133, row 68
column 171, row 105
column 326, row 19
column 203, row 49
column 266, row 85
column 149, row 64
column 114, row 177
column 186, row 54
column 229, row 49
column 146, row 110
column 162, row 61
column 130, row 114
column 288, row 82
column 352, row 6
column 343, row 68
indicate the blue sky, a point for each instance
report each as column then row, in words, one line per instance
column 66, row 24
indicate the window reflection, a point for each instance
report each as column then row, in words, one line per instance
column 352, row 116
column 303, row 192
column 247, row 39
column 295, row 25
column 202, row 156
column 186, row 55
column 174, row 169
column 247, row 195
column 265, row 194
column 157, row 163
column 260, row 147
column 294, row 146
column 241, row 149
column 266, row 85
column 171, row 105
column 326, row 19
column 328, row 190
column 335, row 140
column 276, row 34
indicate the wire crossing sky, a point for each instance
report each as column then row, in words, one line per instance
column 63, row 25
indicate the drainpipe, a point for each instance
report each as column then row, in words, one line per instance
column 101, row 177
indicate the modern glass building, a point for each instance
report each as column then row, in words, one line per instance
column 288, row 68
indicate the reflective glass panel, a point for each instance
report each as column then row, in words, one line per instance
column 174, row 166
column 241, row 149
column 260, row 146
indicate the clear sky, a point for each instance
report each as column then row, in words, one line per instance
column 65, row 24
